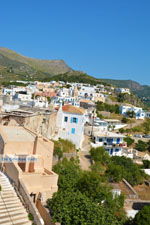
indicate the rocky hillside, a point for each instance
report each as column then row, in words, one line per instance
column 142, row 91
column 15, row 66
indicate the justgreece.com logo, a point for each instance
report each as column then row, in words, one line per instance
column 18, row 159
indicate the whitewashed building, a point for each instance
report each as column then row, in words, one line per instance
column 112, row 142
column 70, row 124
column 123, row 90
column 139, row 113
column 23, row 96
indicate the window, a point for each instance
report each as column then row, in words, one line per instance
column 100, row 140
column 74, row 120
column 65, row 119
column 118, row 140
column 73, row 130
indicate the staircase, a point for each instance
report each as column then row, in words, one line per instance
column 12, row 212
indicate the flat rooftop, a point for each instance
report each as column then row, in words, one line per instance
column 108, row 134
column 16, row 134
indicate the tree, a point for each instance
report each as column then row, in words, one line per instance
column 58, row 152
column 115, row 173
column 69, row 173
column 146, row 126
column 129, row 141
column 141, row 146
column 48, row 99
column 124, row 120
column 130, row 114
column 92, row 186
column 148, row 145
column 74, row 208
column 122, row 167
column 146, row 164
column 143, row 216
column 100, row 155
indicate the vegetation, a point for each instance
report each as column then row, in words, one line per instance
column 101, row 106
column 122, row 167
column 63, row 146
column 125, row 120
column 129, row 98
column 131, row 114
column 142, row 91
column 146, row 164
column 141, row 146
column 13, row 63
column 84, row 198
column 129, row 141
column 30, row 216
column 76, row 76
column 116, row 167
column 17, row 67
column 142, row 217
column 100, row 155
column 69, row 207
column 142, row 128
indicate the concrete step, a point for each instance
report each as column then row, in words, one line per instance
column 8, row 195
column 10, row 206
column 13, row 209
column 14, row 218
column 7, row 199
column 19, row 223
column 13, row 213
column 10, row 201
column 26, row 223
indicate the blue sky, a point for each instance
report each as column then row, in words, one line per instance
column 105, row 38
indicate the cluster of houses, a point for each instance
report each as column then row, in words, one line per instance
column 34, row 115
column 74, row 108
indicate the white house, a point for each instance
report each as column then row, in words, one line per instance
column 86, row 92
column 123, row 90
column 64, row 92
column 40, row 103
column 139, row 113
column 70, row 124
column 112, row 142
column 12, row 91
column 23, row 96
column 57, row 101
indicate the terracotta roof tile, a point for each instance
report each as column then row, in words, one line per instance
column 73, row 109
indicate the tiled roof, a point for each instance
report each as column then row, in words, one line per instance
column 45, row 94
column 73, row 109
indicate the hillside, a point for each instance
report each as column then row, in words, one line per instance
column 142, row 91
column 15, row 66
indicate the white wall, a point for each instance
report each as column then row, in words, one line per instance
column 65, row 128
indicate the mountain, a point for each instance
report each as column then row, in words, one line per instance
column 14, row 66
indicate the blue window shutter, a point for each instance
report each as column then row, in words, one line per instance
column 71, row 120
column 73, row 130
column 76, row 120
